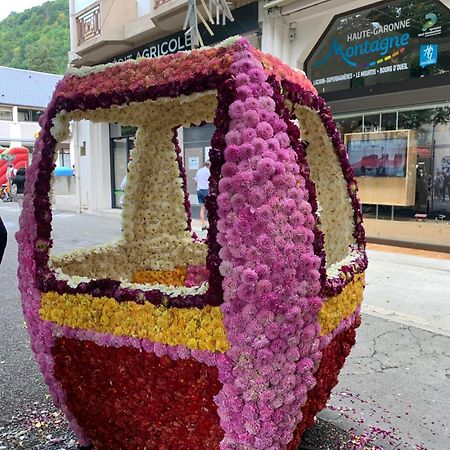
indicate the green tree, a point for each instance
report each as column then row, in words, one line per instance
column 37, row 39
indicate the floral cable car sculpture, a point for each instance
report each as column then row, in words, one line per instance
column 164, row 341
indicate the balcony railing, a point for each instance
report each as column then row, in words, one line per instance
column 88, row 24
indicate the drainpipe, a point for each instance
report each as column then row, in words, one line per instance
column 76, row 155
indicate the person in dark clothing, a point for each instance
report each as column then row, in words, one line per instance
column 446, row 182
column 3, row 239
column 18, row 186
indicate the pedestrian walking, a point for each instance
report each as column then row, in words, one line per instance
column 202, row 180
column 18, row 186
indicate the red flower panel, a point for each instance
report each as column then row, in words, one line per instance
column 126, row 399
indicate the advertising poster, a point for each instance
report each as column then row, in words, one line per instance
column 386, row 42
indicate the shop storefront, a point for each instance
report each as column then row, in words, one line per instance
column 384, row 69
column 400, row 154
column 428, row 127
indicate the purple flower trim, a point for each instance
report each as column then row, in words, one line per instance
column 187, row 203
column 299, row 96
column 271, row 277
column 344, row 325
column 335, row 286
column 174, row 352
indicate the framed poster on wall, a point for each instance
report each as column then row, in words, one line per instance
column 380, row 154
column 384, row 164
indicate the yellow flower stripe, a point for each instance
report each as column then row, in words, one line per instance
column 174, row 277
column 335, row 309
column 200, row 329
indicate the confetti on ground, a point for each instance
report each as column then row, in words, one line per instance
column 364, row 435
column 43, row 427
column 39, row 427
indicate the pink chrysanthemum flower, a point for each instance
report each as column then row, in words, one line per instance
column 242, row 79
column 233, row 137
column 251, row 103
column 266, row 103
column 264, row 130
column 251, row 118
column 260, row 145
column 256, row 75
column 236, row 109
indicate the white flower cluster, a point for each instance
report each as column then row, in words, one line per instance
column 190, row 109
column 102, row 261
column 84, row 71
column 336, row 214
column 60, row 129
column 334, row 270
column 154, row 218
column 170, row 291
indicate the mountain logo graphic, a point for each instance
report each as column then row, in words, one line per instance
column 431, row 19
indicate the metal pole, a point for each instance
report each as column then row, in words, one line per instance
column 433, row 151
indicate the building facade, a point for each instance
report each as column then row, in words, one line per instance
column 110, row 31
column 24, row 94
column 384, row 68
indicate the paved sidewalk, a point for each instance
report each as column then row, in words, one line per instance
column 393, row 391
column 409, row 287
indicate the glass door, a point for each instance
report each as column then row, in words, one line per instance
column 120, row 156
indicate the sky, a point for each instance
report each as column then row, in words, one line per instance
column 7, row 7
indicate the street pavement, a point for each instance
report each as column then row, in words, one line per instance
column 393, row 392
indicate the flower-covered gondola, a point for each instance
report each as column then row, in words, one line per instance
column 162, row 340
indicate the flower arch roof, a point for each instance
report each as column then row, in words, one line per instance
column 145, row 73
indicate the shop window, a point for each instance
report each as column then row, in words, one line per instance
column 28, row 114
column 5, row 113
column 128, row 130
column 351, row 124
column 371, row 122
column 64, row 157
column 430, row 148
column 120, row 156
column 122, row 143
column 388, row 121
column 196, row 143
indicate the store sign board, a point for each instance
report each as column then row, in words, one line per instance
column 171, row 44
column 387, row 42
